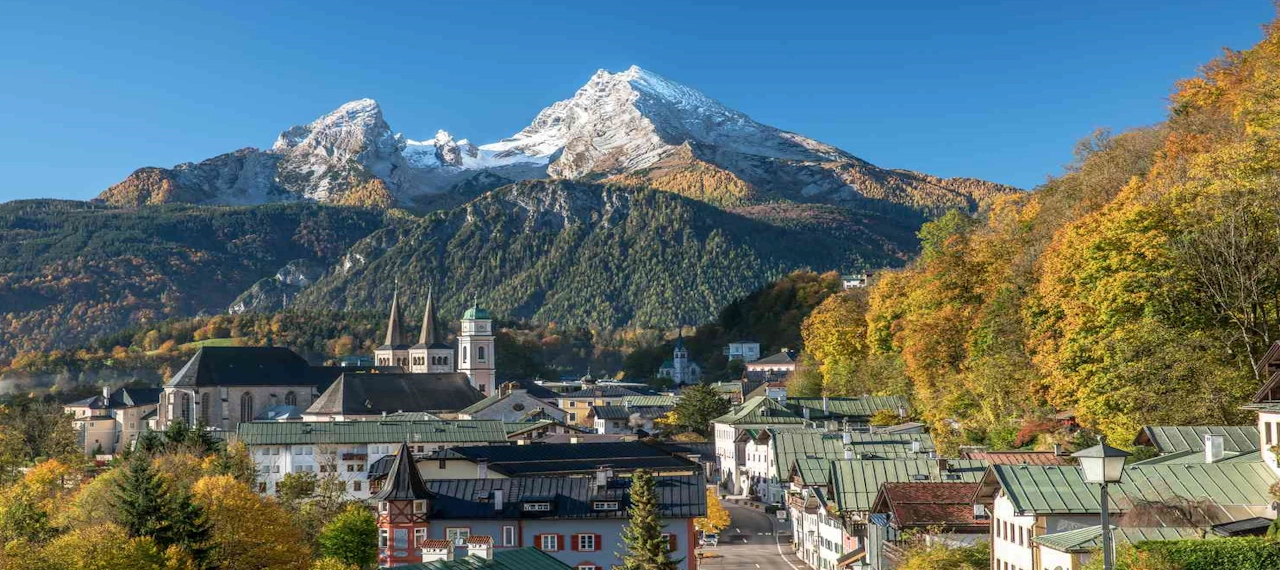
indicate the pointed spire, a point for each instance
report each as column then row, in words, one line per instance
column 404, row 482
column 428, row 335
column 394, row 337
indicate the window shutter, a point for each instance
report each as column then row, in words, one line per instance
column 671, row 541
column 537, row 541
column 573, row 542
column 559, row 542
column 597, row 541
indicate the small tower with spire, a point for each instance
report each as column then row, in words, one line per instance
column 394, row 350
column 475, row 348
column 680, row 361
column 432, row 353
column 404, row 504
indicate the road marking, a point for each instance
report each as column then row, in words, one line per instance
column 778, row 541
column 757, row 565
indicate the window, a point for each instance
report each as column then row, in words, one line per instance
column 275, row 468
column 383, row 536
column 419, row 506
column 383, row 507
column 246, row 407
column 290, row 398
column 508, row 536
column 456, row 535
column 356, row 486
column 605, row 505
column 480, row 353
column 537, row 507
column 419, row 535
column 573, row 417
column 549, row 542
column 206, row 408
column 671, row 541
column 465, row 350
column 587, row 542
column 586, row 567
column 262, row 487
column 185, row 413
column 355, row 467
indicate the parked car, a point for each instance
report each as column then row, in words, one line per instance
column 711, row 539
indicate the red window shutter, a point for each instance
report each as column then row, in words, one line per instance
column 537, row 541
column 597, row 541
column 671, row 540
column 573, row 542
column 559, row 542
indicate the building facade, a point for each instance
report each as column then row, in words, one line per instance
column 111, row 422
column 474, row 355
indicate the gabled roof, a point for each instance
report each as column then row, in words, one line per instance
column 527, row 558
column 812, row 472
column 1236, row 490
column 545, row 397
column 611, row 413
column 243, row 366
column 404, row 482
column 791, row 445
column 1089, row 539
column 122, row 398
column 759, row 411
column 1018, row 457
column 857, row 482
column 1173, row 439
column 928, row 504
column 862, row 407
column 1183, row 457
column 369, row 394
column 371, row 431
column 570, row 458
column 679, row 497
column 783, row 357
column 652, row 401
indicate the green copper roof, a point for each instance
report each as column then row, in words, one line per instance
column 371, row 431
column 1089, row 538
column 863, row 407
column 792, row 445
column 1061, row 490
column 857, row 482
column 1198, row 457
column 759, row 411
column 813, row 472
column 528, row 558
column 644, row 401
column 1173, row 439
column 476, row 312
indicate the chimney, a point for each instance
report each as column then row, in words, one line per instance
column 481, row 546
column 902, row 412
column 575, row 439
column 106, row 393
column 806, row 412
column 943, row 466
column 826, row 408
column 602, row 478
column 497, row 500
column 846, row 438
column 915, row 446
column 783, row 399
column 436, row 550
column 848, row 453
column 482, row 469
column 1057, row 449
column 1213, row 447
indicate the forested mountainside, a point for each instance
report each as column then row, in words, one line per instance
column 70, row 271
column 601, row 255
column 1138, row 288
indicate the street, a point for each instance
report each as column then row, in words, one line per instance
column 750, row 543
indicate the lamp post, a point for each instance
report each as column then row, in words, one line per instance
column 1103, row 464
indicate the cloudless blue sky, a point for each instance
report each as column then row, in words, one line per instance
column 996, row 90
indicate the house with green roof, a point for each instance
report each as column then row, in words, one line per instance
column 771, row 453
column 754, row 414
column 1030, row 501
column 1267, row 404
column 1072, row 549
column 478, row 557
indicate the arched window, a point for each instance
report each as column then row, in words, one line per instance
column 246, row 407
column 465, row 350
column 206, row 408
column 185, row 412
column 290, row 399
column 480, row 353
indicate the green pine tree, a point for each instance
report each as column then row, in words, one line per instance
column 646, row 548
column 699, row 405
column 145, row 506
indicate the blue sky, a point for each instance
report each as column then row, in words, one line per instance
column 996, row 90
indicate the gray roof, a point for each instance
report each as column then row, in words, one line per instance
column 858, row 408
column 790, row 445
column 367, row 394
column 606, row 392
column 1172, row 439
column 122, row 398
column 679, row 496
column 253, row 366
column 404, row 482
column 782, row 357
column 570, row 458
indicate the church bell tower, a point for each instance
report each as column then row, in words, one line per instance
column 475, row 349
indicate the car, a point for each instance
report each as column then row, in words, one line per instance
column 711, row 539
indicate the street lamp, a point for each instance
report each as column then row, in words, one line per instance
column 1103, row 464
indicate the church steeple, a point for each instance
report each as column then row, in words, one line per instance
column 394, row 336
column 428, row 335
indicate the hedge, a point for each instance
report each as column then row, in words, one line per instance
column 1253, row 553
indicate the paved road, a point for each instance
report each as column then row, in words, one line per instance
column 751, row 543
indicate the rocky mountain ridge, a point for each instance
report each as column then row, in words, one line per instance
column 633, row 126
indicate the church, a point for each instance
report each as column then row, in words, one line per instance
column 680, row 369
column 474, row 355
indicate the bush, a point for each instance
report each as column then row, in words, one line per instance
column 1216, row 554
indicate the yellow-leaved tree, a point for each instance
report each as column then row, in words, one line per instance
column 717, row 518
column 249, row 532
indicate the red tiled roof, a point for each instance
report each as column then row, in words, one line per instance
column 1017, row 457
column 480, row 540
column 929, row 504
column 436, row 544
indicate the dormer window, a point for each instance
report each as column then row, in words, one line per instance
column 605, row 505
column 383, row 507
column 538, row 506
column 419, row 506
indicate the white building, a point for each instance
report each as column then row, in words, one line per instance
column 680, row 369
column 744, row 350
column 474, row 355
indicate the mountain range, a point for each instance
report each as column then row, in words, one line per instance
column 633, row 127
column 635, row 202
